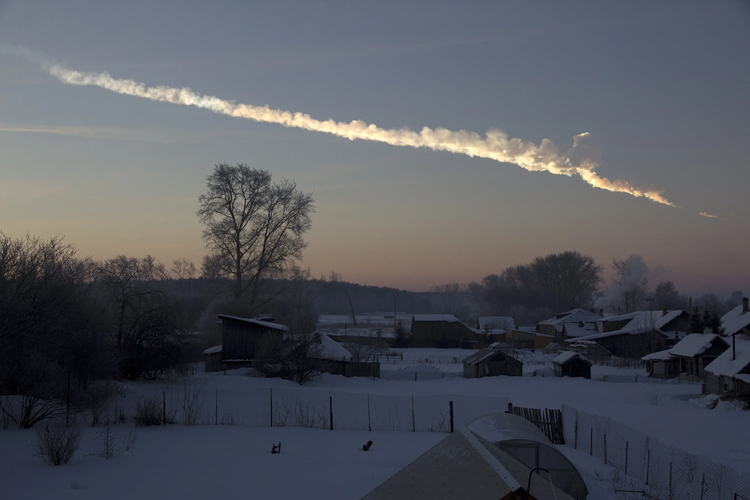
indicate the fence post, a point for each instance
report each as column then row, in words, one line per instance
column 164, row 406
column 575, row 444
column 330, row 409
column 670, row 480
column 216, row 417
column 626, row 458
column 605, row 448
column 591, row 443
column 450, row 405
column 648, row 463
column 415, row 376
column 271, row 389
column 703, row 483
column 413, row 423
column 369, row 422
column 510, row 408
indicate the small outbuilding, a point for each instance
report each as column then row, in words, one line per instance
column 492, row 363
column 571, row 364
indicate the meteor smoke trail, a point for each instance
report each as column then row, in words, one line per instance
column 581, row 159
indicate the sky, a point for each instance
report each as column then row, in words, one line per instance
column 653, row 93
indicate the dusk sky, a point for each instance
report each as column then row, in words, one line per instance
column 663, row 89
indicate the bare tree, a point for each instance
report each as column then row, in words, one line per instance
column 253, row 227
column 183, row 269
column 629, row 290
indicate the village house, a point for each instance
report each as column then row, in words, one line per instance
column 492, row 363
column 731, row 370
column 441, row 330
column 688, row 357
column 492, row 328
column 527, row 338
column 636, row 334
column 555, row 326
column 571, row 364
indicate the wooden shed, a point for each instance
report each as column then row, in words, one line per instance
column 240, row 338
column 440, row 330
column 731, row 370
column 571, row 364
column 491, row 363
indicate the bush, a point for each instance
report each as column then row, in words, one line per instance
column 148, row 411
column 57, row 444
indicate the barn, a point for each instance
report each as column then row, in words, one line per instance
column 239, row 342
column 440, row 330
column 492, row 363
column 571, row 364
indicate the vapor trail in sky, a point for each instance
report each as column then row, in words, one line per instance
column 580, row 160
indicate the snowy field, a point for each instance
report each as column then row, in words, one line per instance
column 236, row 462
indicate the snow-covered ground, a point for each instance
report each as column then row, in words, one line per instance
column 235, row 461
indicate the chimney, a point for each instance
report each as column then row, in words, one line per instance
column 664, row 312
column 745, row 305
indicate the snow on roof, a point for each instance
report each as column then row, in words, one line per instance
column 571, row 316
column 213, row 350
column 725, row 365
column 483, row 354
column 266, row 324
column 566, row 356
column 640, row 322
column 734, row 321
column 495, row 322
column 333, row 350
column 575, row 330
column 450, row 318
column 695, row 344
column 657, row 356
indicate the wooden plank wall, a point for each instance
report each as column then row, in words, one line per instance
column 548, row 420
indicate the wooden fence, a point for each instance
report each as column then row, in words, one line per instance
column 548, row 420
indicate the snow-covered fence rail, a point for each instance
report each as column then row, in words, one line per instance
column 671, row 473
column 279, row 407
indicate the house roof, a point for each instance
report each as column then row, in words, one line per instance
column 657, row 356
column 734, row 321
column 485, row 354
column 565, row 357
column 495, row 322
column 574, row 329
column 265, row 324
column 333, row 350
column 450, row 318
column 574, row 315
column 213, row 350
column 639, row 322
column 695, row 344
column 725, row 365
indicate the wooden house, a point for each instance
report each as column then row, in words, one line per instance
column 636, row 334
column 571, row 364
column 527, row 338
column 441, row 330
column 492, row 363
column 696, row 351
column 555, row 326
column 730, row 371
column 661, row 365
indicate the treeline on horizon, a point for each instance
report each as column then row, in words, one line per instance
column 66, row 321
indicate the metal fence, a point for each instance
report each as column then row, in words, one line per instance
column 669, row 472
column 278, row 407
